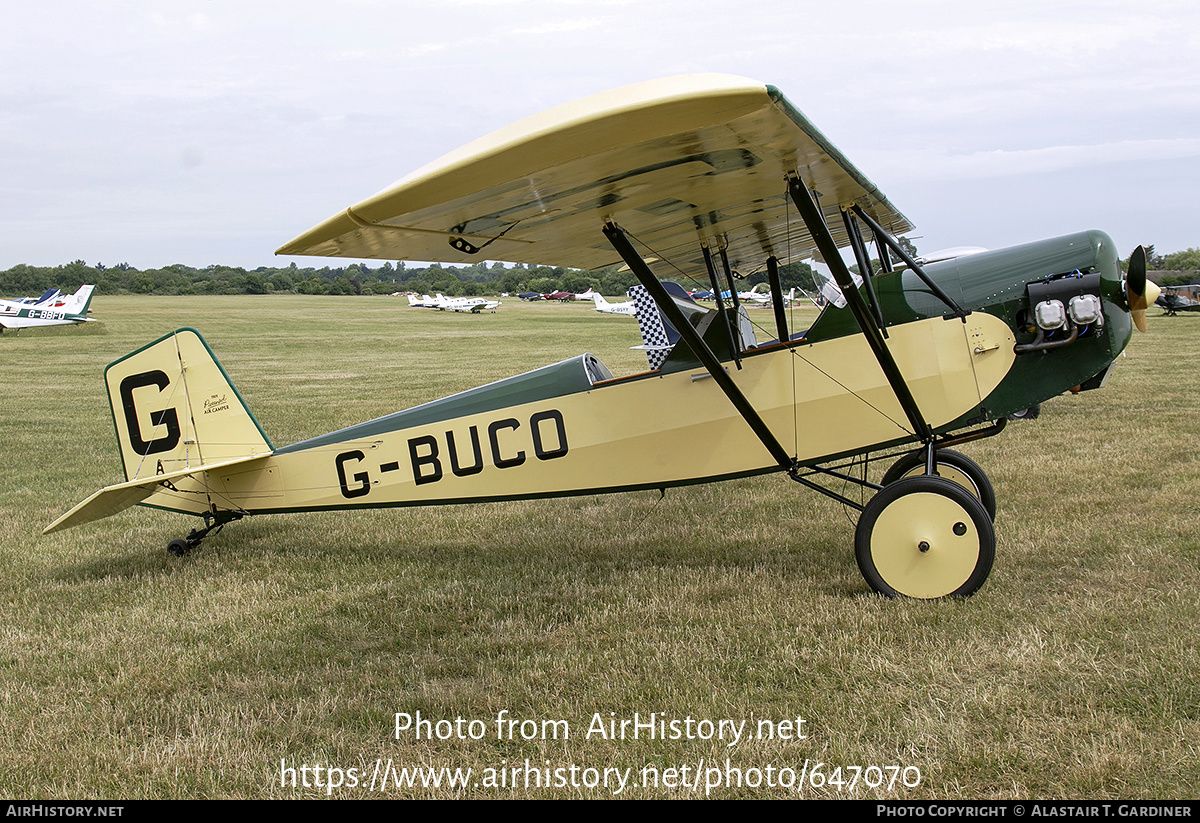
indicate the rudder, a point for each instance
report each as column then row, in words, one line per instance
column 174, row 408
column 79, row 302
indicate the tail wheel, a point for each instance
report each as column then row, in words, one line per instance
column 925, row 537
column 951, row 465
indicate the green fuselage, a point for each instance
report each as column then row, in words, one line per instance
column 996, row 282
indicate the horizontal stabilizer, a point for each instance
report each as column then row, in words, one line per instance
column 112, row 499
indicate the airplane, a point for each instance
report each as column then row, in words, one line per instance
column 605, row 307
column 51, row 309
column 440, row 302
column 706, row 174
column 1175, row 299
column 568, row 296
column 752, row 296
column 473, row 305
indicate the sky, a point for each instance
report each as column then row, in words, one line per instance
column 213, row 131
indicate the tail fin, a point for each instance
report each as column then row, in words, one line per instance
column 176, row 409
column 658, row 335
column 78, row 302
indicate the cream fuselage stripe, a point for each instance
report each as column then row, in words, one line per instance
column 644, row 432
column 428, row 454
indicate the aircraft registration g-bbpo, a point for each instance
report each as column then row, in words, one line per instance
column 707, row 174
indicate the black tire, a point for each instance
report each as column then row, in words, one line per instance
column 1030, row 413
column 179, row 548
column 925, row 538
column 951, row 465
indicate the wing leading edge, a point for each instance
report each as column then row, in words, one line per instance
column 679, row 163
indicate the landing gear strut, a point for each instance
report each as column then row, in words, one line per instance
column 214, row 521
column 927, row 532
column 951, row 465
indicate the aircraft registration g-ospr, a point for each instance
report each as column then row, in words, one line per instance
column 708, row 174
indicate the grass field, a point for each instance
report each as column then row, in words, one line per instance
column 292, row 642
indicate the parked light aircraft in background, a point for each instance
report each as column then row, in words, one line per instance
column 604, row 306
column 1175, row 299
column 754, row 296
column 708, row 174
column 51, row 309
column 474, row 305
column 569, row 296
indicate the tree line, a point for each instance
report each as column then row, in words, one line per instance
column 388, row 278
column 1184, row 266
column 355, row 278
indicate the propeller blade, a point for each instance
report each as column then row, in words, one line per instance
column 1137, row 291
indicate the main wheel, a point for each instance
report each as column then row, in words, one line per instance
column 925, row 537
column 1030, row 413
column 179, row 547
column 951, row 465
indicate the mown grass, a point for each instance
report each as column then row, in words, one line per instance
column 126, row 673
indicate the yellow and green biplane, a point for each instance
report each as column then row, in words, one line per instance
column 705, row 174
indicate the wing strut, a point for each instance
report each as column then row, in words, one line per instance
column 864, row 266
column 810, row 213
column 885, row 259
column 781, row 329
column 880, row 234
column 734, row 347
column 688, row 333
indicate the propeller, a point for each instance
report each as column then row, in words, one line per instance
column 1138, row 290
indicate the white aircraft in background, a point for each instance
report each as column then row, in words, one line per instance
column 51, row 309
column 474, row 305
column 443, row 303
column 754, row 296
column 603, row 305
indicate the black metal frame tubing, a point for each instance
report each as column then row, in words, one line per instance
column 880, row 234
column 781, row 329
column 734, row 348
column 616, row 236
column 810, row 213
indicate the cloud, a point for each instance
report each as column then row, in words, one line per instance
column 943, row 165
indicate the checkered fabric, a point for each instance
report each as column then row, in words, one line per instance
column 650, row 323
